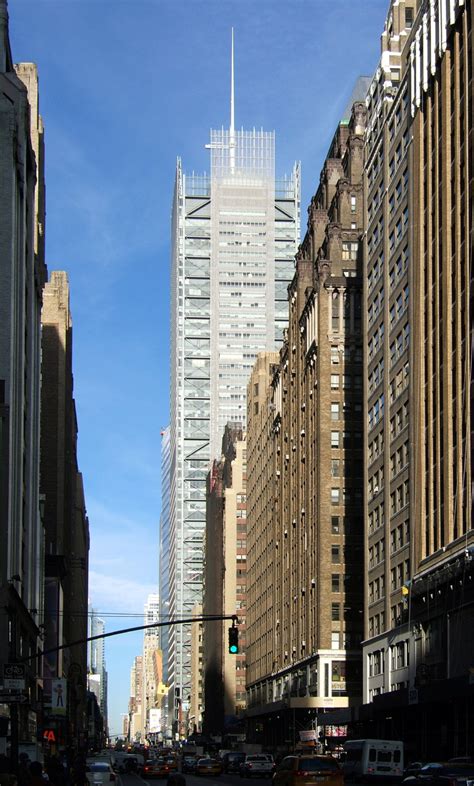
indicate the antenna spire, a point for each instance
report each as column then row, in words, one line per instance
column 232, row 118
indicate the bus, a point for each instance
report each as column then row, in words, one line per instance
column 372, row 759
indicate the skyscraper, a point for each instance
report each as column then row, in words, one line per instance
column 164, row 544
column 97, row 674
column 234, row 236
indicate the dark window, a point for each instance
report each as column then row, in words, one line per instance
column 315, row 764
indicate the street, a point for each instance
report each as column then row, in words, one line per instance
column 229, row 779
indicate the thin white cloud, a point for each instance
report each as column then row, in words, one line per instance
column 116, row 592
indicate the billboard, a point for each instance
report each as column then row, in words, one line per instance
column 154, row 720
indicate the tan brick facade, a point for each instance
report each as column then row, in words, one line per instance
column 307, row 432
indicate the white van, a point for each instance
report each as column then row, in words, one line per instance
column 368, row 759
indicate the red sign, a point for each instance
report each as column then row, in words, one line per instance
column 49, row 735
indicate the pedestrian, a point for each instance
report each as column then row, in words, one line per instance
column 56, row 771
column 36, row 774
column 78, row 775
column 7, row 777
column 23, row 772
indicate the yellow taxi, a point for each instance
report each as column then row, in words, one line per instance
column 208, row 767
column 308, row 770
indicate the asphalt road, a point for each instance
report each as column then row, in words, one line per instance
column 230, row 779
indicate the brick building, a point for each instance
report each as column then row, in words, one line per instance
column 315, row 431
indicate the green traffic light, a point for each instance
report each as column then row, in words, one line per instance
column 233, row 640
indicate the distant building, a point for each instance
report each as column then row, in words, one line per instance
column 193, row 722
column 225, row 584
column 125, row 724
column 234, row 236
column 135, row 710
column 151, row 647
column 96, row 667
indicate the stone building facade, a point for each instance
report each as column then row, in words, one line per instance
column 316, row 432
column 65, row 518
column 417, row 664
column 225, row 585
column 22, row 274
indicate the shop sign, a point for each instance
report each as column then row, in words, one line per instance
column 307, row 735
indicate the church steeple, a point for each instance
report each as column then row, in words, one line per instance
column 6, row 63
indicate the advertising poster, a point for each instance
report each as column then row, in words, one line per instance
column 58, row 697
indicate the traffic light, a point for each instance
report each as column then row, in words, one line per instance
column 233, row 640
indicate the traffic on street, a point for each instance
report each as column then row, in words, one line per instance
column 361, row 761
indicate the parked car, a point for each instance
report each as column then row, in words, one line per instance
column 307, row 770
column 232, row 760
column 208, row 767
column 99, row 772
column 259, row 764
column 442, row 774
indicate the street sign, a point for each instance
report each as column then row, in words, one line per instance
column 13, row 698
column 14, row 675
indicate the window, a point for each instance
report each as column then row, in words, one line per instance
column 335, row 439
column 335, row 379
column 335, row 496
column 335, row 636
column 408, row 17
column 336, row 582
column 335, row 411
column 335, row 612
column 335, row 555
column 349, row 251
column 335, row 524
column 335, row 468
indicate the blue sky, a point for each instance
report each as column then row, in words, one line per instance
column 126, row 86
